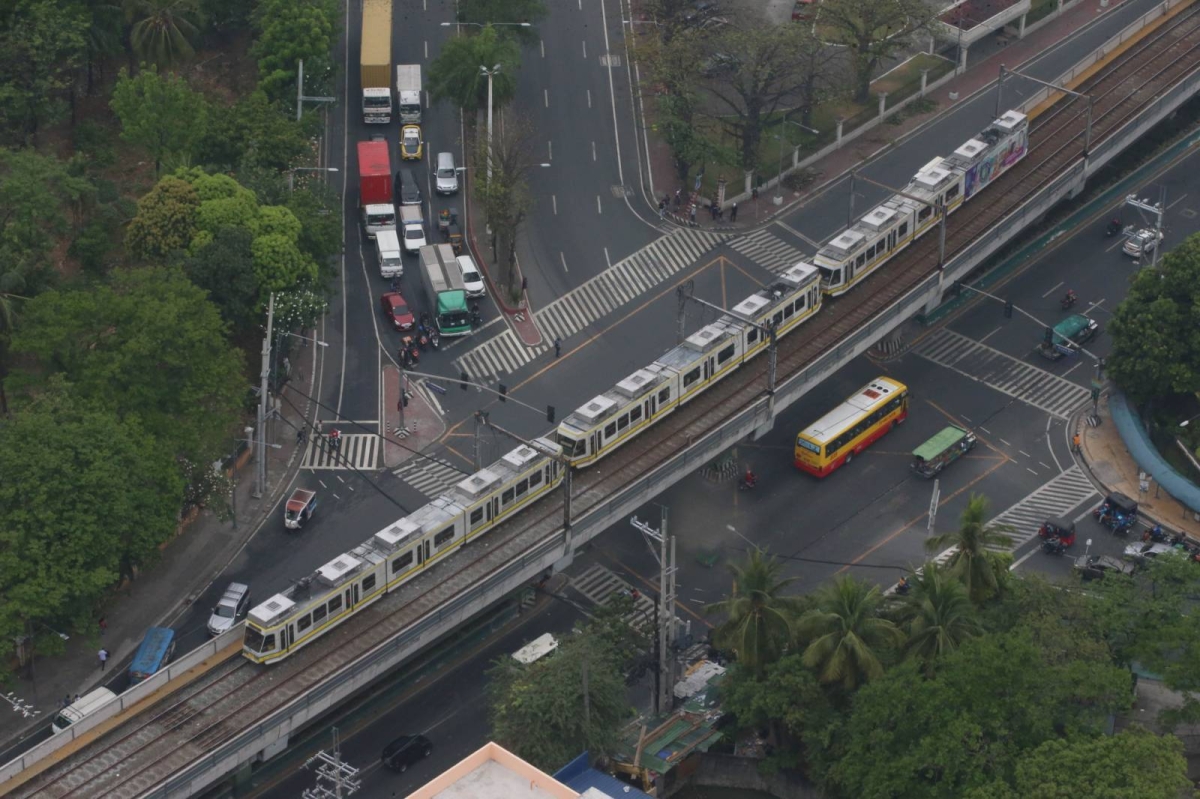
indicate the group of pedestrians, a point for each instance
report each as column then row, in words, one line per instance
column 693, row 202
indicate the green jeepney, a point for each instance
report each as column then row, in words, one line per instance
column 1066, row 337
column 946, row 447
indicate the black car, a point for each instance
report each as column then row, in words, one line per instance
column 408, row 191
column 404, row 751
column 1094, row 567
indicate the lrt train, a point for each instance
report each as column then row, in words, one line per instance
column 354, row 580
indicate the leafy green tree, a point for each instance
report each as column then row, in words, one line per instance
column 279, row 264
column 454, row 75
column 146, row 345
column 159, row 113
column 481, row 12
column 290, row 32
column 504, row 194
column 104, row 36
column 980, row 569
column 253, row 131
column 845, row 636
column 873, row 32
column 162, row 31
column 86, row 498
column 225, row 269
column 316, row 206
column 989, row 703
column 166, row 220
column 759, row 617
column 39, row 196
column 938, row 615
column 671, row 63
column 1156, row 345
column 1133, row 764
column 550, row 711
column 42, row 45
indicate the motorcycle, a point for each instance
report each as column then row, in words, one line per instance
column 748, row 482
column 335, row 440
column 476, row 317
column 434, row 339
column 1114, row 227
column 1068, row 300
column 1054, row 546
column 422, row 336
column 1156, row 535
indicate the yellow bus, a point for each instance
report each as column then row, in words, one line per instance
column 851, row 427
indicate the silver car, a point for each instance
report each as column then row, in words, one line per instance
column 1142, row 242
column 230, row 609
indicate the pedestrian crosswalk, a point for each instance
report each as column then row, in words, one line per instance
column 627, row 280
column 601, row 586
column 1060, row 497
column 768, row 250
column 1037, row 387
column 429, row 476
column 361, row 451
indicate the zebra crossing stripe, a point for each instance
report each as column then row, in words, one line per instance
column 599, row 585
column 626, row 280
column 768, row 250
column 431, row 477
column 1059, row 497
column 359, row 451
column 1055, row 395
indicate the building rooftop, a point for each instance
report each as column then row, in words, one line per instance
column 492, row 772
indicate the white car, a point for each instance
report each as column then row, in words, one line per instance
column 472, row 280
column 1142, row 243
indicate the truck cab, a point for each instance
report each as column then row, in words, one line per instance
column 387, row 248
column 378, row 217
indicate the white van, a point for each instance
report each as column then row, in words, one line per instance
column 536, row 649
column 447, row 174
column 472, row 280
column 387, row 247
column 81, row 707
column 412, row 226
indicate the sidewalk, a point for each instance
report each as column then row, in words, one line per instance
column 164, row 591
column 980, row 73
column 1107, row 458
column 422, row 419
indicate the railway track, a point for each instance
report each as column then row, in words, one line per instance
column 238, row 694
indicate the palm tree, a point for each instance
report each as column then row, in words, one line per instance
column 104, row 35
column 759, row 622
column 938, row 614
column 974, row 561
column 162, row 29
column 454, row 75
column 845, row 633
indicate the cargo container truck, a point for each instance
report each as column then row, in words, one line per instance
column 375, row 59
column 444, row 291
column 375, row 187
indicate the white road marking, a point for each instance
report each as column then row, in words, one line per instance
column 989, row 335
column 984, row 429
column 585, row 49
column 599, row 210
column 1023, row 452
column 1005, row 443
column 1072, row 369
column 563, row 258
column 554, row 202
column 546, row 96
column 550, row 149
column 607, row 260
column 589, row 93
column 593, row 151
column 542, row 44
column 1052, row 290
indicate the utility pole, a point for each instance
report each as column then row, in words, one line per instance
column 933, row 507
column 260, row 450
column 664, row 612
column 301, row 97
column 335, row 778
column 683, row 293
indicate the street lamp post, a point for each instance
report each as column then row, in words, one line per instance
column 779, row 178
column 292, row 173
column 487, row 24
column 490, row 73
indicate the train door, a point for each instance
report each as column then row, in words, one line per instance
column 595, row 445
column 651, row 407
column 351, row 596
column 708, row 368
column 422, row 552
column 287, row 637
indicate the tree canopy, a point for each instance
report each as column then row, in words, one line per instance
column 159, row 113
column 873, row 32
column 454, row 75
column 42, row 44
column 290, row 31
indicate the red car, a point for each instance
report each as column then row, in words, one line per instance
column 396, row 310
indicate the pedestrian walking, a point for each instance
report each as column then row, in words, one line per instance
column 524, row 283
column 712, row 208
column 1075, row 443
column 733, row 213
column 103, row 623
column 66, row 700
column 103, row 655
column 557, row 346
column 662, row 210
column 301, row 435
column 692, row 213
column 678, row 197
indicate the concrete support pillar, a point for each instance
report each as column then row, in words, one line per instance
column 1058, row 9
column 933, row 41
column 924, row 82
column 1021, row 27
column 747, row 182
column 795, row 157
column 841, row 121
column 882, row 102
column 962, row 59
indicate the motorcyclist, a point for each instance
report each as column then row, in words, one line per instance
column 335, row 438
column 902, row 586
column 1070, row 297
column 751, row 479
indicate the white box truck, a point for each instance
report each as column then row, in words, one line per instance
column 408, row 93
column 387, row 247
column 81, row 708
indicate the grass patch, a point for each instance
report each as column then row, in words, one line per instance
column 909, row 74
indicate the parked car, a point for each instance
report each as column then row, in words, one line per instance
column 395, row 309
column 411, row 144
column 1094, row 567
column 230, row 608
column 719, row 64
column 408, row 191
column 405, row 751
column 1141, row 552
column 1142, row 243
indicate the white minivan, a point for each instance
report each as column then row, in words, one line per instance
column 387, row 247
column 472, row 280
column 447, row 174
column 85, row 705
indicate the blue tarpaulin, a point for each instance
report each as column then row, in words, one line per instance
column 1137, row 440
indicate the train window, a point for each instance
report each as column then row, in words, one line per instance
column 507, row 497
column 952, row 192
column 903, row 230
column 777, row 319
column 861, row 260
column 522, row 488
column 476, row 516
column 727, row 353
column 870, row 253
column 691, row 377
column 610, row 430
column 368, row 583
column 788, row 312
column 320, row 613
column 623, row 421
column 636, row 414
column 800, row 301
column 268, row 644
column 335, row 604
column 444, row 537
column 535, row 479
column 402, row 562
column 664, row 396
column 924, row 213
column 303, row 623
column 752, row 335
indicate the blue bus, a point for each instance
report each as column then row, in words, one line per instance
column 153, row 653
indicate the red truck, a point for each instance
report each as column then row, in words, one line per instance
column 375, row 187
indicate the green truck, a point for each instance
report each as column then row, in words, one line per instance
column 1065, row 338
column 946, row 447
column 444, row 290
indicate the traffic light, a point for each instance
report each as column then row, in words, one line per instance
column 503, row 392
column 404, row 398
column 1008, row 308
column 550, row 414
column 1049, row 335
column 463, row 381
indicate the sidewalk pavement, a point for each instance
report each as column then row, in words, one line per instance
column 422, row 419
column 164, row 591
column 1107, row 458
column 980, row 73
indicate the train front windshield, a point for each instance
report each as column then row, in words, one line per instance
column 258, row 643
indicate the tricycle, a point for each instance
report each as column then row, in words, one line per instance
column 1118, row 513
column 455, row 236
column 299, row 508
column 1057, row 535
column 447, row 217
